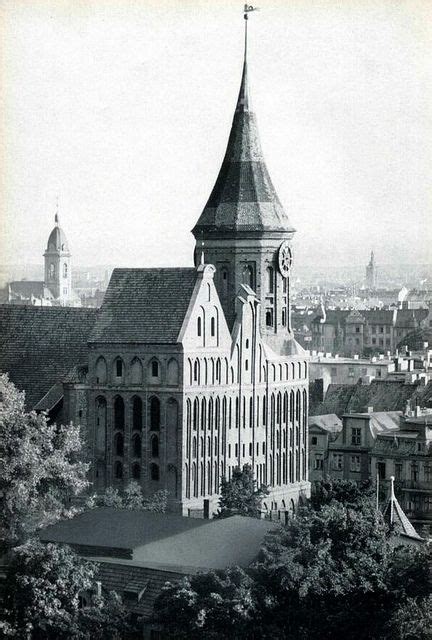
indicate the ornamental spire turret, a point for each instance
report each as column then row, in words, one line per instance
column 243, row 197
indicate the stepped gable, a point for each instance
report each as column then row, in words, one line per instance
column 39, row 345
column 146, row 306
column 243, row 197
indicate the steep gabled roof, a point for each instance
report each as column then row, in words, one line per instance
column 243, row 197
column 145, row 306
column 39, row 345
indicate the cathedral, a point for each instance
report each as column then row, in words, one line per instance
column 193, row 372
column 56, row 288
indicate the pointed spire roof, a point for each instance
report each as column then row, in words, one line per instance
column 395, row 516
column 243, row 197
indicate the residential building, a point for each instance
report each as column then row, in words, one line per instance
column 322, row 430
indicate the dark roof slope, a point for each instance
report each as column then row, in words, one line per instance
column 163, row 540
column 382, row 395
column 243, row 197
column 144, row 306
column 38, row 345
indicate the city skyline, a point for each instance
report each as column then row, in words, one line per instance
column 341, row 102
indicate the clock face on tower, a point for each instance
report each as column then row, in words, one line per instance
column 284, row 259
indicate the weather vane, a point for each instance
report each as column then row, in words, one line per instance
column 247, row 9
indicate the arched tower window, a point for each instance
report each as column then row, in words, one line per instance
column 136, row 413
column 119, row 413
column 213, row 326
column 154, row 413
column 52, row 270
column 65, row 270
column 224, row 282
column 248, row 276
column 199, row 326
column 154, row 446
column 118, row 470
column 270, row 279
column 154, row 472
column 119, row 444
column 136, row 471
column 196, row 371
column 136, row 445
column 118, row 369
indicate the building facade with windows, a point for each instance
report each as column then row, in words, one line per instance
column 193, row 372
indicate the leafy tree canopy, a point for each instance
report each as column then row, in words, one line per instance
column 240, row 495
column 43, row 597
column 131, row 498
column 333, row 571
column 41, row 468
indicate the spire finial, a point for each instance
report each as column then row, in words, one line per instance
column 56, row 217
column 247, row 9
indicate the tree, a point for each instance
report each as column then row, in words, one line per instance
column 131, row 498
column 333, row 571
column 44, row 593
column 41, row 468
column 240, row 495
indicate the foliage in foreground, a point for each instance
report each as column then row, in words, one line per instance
column 333, row 571
column 42, row 597
column 131, row 498
column 240, row 495
column 41, row 468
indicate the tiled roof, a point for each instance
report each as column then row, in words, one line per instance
column 144, row 306
column 165, row 541
column 329, row 422
column 50, row 399
column 243, row 197
column 407, row 318
column 39, row 345
column 382, row 395
column 28, row 288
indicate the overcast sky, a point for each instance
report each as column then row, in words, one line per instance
column 123, row 109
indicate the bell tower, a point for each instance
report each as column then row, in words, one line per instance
column 58, row 273
column 244, row 231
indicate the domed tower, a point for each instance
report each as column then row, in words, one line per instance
column 58, row 272
column 245, row 232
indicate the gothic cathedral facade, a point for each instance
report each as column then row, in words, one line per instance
column 194, row 372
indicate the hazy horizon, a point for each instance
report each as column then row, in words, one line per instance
column 123, row 110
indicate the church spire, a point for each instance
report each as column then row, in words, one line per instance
column 243, row 197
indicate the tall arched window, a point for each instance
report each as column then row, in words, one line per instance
column 154, row 446
column 154, row 471
column 196, row 371
column 199, row 326
column 101, row 431
column 195, row 414
column 52, row 270
column 224, row 282
column 119, row 413
column 213, row 327
column 136, row 471
column 65, row 270
column 136, row 446
column 101, row 370
column 118, row 444
column 248, row 276
column 154, row 413
column 118, row 369
column 136, row 413
column 270, row 279
column 118, row 470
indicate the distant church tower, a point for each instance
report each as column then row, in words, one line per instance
column 58, row 272
column 371, row 273
column 245, row 232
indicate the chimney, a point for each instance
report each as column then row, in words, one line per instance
column 370, row 409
